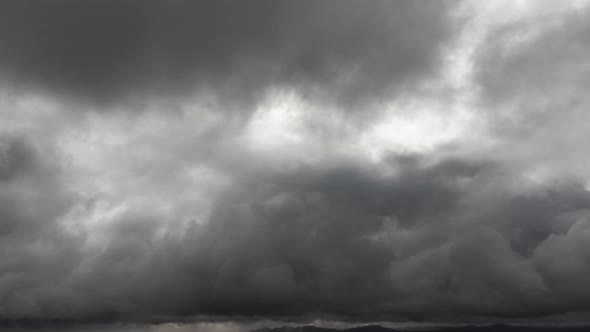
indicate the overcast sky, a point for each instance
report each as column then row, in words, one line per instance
column 342, row 160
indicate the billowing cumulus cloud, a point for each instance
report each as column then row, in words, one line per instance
column 457, row 191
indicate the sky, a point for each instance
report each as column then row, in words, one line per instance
column 294, row 160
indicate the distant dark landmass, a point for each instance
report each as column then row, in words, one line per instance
column 469, row 328
column 97, row 326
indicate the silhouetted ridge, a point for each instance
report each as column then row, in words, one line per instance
column 468, row 328
column 306, row 328
column 371, row 328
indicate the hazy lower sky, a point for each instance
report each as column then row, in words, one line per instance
column 296, row 160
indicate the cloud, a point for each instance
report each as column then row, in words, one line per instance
column 422, row 241
column 461, row 198
column 107, row 52
column 37, row 255
column 544, row 46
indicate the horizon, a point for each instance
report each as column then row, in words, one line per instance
column 276, row 326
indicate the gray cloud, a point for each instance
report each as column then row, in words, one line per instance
column 108, row 51
column 534, row 69
column 37, row 256
column 300, row 211
column 344, row 242
column 325, row 251
column 551, row 54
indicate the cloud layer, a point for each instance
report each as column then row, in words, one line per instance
column 200, row 161
column 108, row 51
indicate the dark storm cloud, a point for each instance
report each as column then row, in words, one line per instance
column 16, row 158
column 108, row 51
column 445, row 240
column 112, row 217
column 36, row 255
column 289, row 246
column 27, row 182
column 417, row 245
